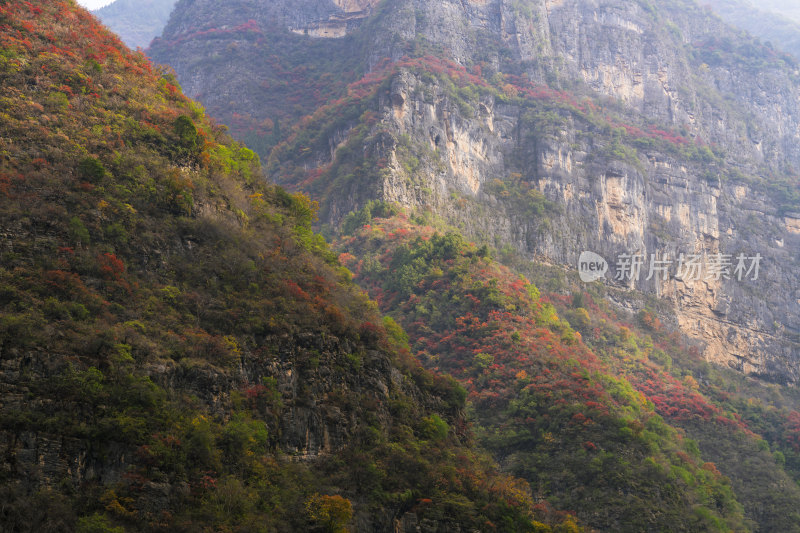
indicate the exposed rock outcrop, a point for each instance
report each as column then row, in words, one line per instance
column 720, row 109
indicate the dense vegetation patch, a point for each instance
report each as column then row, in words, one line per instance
column 600, row 415
column 169, row 322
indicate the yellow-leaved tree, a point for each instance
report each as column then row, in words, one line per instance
column 331, row 513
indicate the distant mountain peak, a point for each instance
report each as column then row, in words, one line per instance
column 137, row 22
column 773, row 21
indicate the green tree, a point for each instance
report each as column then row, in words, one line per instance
column 189, row 139
column 91, row 169
column 97, row 523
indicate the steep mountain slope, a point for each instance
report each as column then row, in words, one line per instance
column 774, row 24
column 137, row 22
column 665, row 133
column 243, row 61
column 179, row 351
column 574, row 404
column 541, row 129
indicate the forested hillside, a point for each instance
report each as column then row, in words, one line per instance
column 602, row 412
column 180, row 352
column 538, row 130
column 666, row 133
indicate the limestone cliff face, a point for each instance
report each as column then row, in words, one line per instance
column 653, row 61
column 660, row 205
column 672, row 65
column 317, row 18
column 298, row 14
column 677, row 64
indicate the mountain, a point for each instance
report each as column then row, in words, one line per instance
column 783, row 7
column 137, row 22
column 539, row 130
column 602, row 412
column 777, row 23
column 672, row 134
column 179, row 351
column 182, row 352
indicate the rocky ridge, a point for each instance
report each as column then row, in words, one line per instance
column 696, row 154
column 178, row 349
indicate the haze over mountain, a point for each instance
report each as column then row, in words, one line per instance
column 775, row 22
column 137, row 22
column 786, row 8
